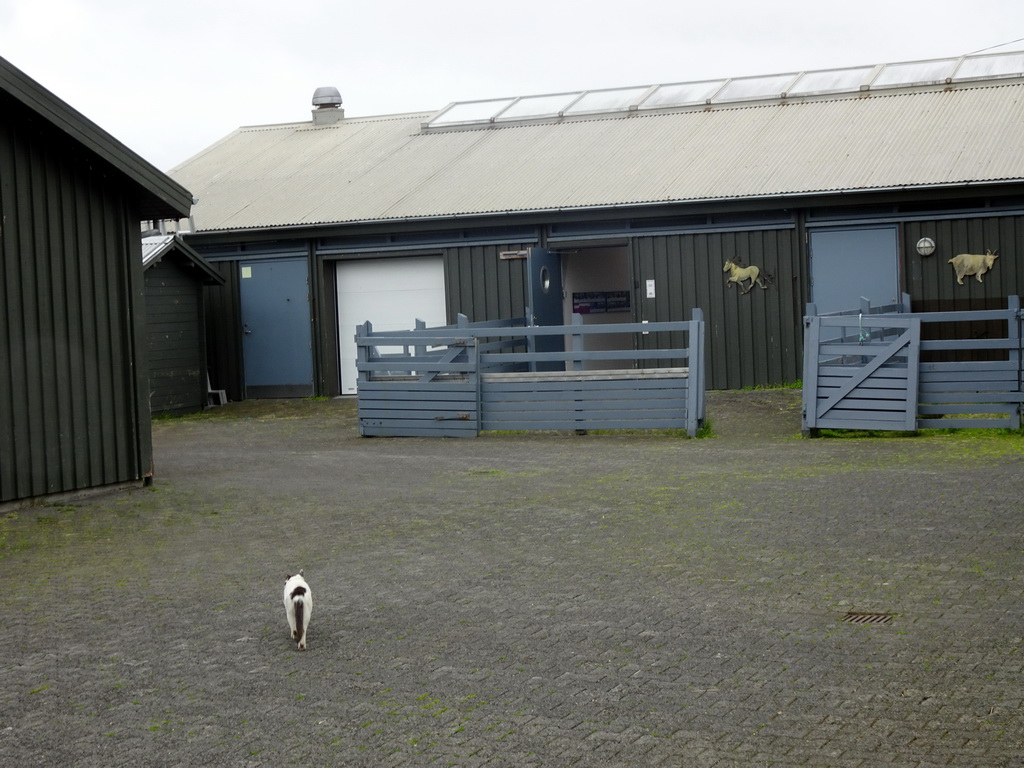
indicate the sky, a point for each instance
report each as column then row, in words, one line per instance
column 170, row 78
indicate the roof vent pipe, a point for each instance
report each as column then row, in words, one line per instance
column 327, row 106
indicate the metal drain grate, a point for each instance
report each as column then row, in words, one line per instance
column 861, row 617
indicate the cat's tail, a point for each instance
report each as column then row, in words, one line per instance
column 298, row 597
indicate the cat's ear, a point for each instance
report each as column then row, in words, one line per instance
column 287, row 576
column 301, row 572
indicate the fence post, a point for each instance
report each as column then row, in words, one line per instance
column 531, row 341
column 695, row 374
column 419, row 350
column 474, row 350
column 702, row 351
column 1014, row 331
column 810, row 382
column 362, row 340
column 577, row 341
column 364, row 331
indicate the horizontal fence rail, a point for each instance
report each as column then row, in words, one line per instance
column 455, row 381
column 871, row 369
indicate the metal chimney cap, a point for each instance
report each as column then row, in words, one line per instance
column 326, row 97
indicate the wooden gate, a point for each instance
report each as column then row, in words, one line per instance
column 862, row 372
column 863, row 369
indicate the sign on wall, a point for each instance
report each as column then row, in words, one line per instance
column 594, row 302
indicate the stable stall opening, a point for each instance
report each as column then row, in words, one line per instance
column 597, row 283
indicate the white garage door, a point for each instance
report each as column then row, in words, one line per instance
column 390, row 293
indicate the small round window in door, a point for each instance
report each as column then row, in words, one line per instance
column 545, row 279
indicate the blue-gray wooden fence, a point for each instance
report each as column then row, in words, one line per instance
column 863, row 370
column 456, row 381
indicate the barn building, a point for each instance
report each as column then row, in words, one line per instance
column 74, row 392
column 835, row 185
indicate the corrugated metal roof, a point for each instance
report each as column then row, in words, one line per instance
column 155, row 247
column 389, row 168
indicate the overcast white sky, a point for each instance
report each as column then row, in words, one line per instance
column 169, row 78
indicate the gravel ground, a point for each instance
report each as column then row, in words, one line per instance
column 524, row 599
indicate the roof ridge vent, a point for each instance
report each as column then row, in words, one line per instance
column 327, row 106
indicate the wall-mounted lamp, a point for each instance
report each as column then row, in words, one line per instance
column 926, row 246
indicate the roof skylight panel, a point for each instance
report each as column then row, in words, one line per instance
column 679, row 94
column 827, row 81
column 539, row 106
column 914, row 72
column 765, row 87
column 471, row 112
column 995, row 65
column 615, row 100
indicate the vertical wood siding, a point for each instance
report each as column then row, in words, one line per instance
column 753, row 339
column 224, row 332
column 327, row 366
column 931, row 281
column 483, row 286
column 72, row 409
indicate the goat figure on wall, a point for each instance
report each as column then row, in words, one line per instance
column 977, row 264
column 739, row 274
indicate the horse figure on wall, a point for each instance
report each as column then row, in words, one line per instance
column 739, row 274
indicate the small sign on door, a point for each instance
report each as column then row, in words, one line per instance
column 650, row 289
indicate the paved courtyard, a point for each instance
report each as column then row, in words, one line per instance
column 525, row 599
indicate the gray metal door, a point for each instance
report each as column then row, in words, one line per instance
column 847, row 264
column 545, row 302
column 277, row 340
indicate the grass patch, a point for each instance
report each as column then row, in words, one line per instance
column 862, row 433
column 325, row 408
column 960, row 432
column 798, row 384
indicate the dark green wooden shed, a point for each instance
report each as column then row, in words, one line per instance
column 176, row 324
column 74, row 393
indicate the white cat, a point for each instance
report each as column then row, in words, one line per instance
column 298, row 606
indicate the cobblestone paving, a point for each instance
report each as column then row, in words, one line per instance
column 524, row 600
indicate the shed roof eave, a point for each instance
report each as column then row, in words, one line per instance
column 175, row 244
column 163, row 198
